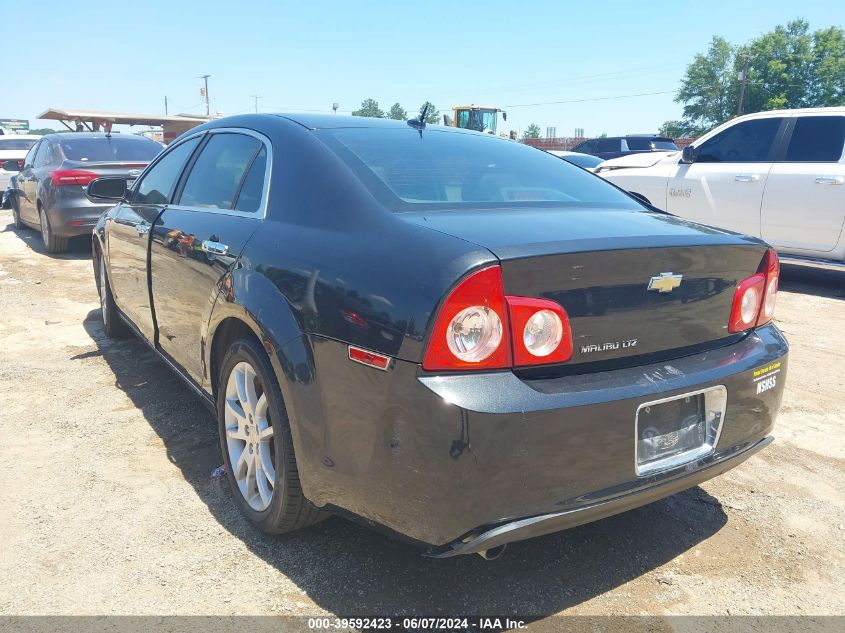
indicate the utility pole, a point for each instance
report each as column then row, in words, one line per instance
column 256, row 98
column 744, row 78
column 205, row 94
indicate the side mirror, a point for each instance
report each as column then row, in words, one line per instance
column 447, row 120
column 504, row 115
column 11, row 165
column 108, row 188
column 689, row 154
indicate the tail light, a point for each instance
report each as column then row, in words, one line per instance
column 771, row 267
column 541, row 331
column 61, row 177
column 478, row 327
column 754, row 298
column 471, row 330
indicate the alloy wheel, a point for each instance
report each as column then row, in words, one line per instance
column 249, row 436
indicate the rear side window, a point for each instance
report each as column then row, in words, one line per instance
column 746, row 142
column 817, row 139
column 158, row 184
column 109, row 148
column 216, row 175
column 455, row 170
column 10, row 143
column 252, row 189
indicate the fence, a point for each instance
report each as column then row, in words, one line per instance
column 566, row 143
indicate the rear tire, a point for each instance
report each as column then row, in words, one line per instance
column 255, row 434
column 52, row 243
column 113, row 325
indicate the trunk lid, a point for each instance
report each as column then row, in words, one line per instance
column 598, row 264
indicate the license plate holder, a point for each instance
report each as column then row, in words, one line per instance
column 673, row 431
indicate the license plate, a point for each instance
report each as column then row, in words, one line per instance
column 672, row 431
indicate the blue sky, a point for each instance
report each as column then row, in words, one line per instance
column 305, row 55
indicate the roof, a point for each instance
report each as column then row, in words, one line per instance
column 58, row 114
column 329, row 121
column 794, row 111
column 26, row 137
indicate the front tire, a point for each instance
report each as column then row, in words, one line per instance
column 256, row 443
column 113, row 324
column 52, row 243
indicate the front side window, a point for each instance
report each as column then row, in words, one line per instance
column 817, row 139
column 29, row 159
column 216, row 175
column 746, row 142
column 40, row 154
column 157, row 185
column 608, row 145
column 453, row 170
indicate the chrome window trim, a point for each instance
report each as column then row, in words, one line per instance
column 720, row 394
column 268, row 172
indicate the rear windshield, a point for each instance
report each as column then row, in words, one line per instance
column 407, row 171
column 650, row 143
column 11, row 143
column 109, row 149
column 583, row 160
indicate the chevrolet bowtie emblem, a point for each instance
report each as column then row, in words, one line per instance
column 665, row 282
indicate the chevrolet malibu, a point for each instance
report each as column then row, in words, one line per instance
column 451, row 337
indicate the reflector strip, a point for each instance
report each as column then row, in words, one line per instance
column 368, row 358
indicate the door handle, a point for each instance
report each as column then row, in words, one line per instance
column 143, row 228
column 215, row 248
column 746, row 177
column 829, row 181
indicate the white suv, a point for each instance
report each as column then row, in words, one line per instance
column 778, row 175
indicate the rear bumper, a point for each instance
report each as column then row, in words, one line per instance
column 669, row 484
column 473, row 457
column 71, row 212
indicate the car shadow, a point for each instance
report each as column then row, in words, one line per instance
column 348, row 569
column 812, row 281
column 78, row 247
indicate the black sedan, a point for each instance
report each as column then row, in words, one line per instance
column 447, row 335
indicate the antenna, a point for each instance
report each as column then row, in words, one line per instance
column 419, row 124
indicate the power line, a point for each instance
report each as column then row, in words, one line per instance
column 630, row 96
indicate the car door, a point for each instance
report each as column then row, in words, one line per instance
column 197, row 240
column 26, row 191
column 804, row 203
column 128, row 234
column 724, row 186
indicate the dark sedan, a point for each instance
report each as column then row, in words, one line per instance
column 49, row 192
column 447, row 335
column 615, row 146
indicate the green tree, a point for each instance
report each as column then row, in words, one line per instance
column 397, row 112
column 532, row 131
column 432, row 114
column 673, row 129
column 369, row 107
column 709, row 88
column 788, row 67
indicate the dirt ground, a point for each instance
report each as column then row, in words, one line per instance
column 107, row 504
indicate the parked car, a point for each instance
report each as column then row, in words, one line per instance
column 584, row 161
column 778, row 175
column 13, row 147
column 444, row 334
column 615, row 146
column 50, row 187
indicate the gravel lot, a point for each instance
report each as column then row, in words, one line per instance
column 108, row 506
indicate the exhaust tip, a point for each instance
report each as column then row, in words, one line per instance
column 493, row 553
